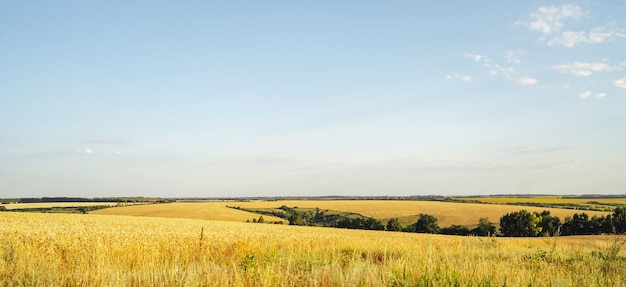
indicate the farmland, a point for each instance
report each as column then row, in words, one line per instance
column 407, row 211
column 595, row 203
column 96, row 250
column 14, row 206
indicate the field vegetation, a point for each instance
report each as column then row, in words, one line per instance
column 582, row 203
column 406, row 211
column 96, row 250
column 13, row 206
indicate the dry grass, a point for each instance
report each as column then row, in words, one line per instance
column 95, row 250
column 447, row 213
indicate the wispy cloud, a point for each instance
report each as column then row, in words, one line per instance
column 475, row 57
column 620, row 83
column 542, row 149
column 514, row 57
column 570, row 38
column 550, row 21
column 84, row 151
column 527, row 81
column 589, row 94
column 466, row 78
column 583, row 69
column 507, row 72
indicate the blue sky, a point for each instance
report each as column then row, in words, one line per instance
column 277, row 98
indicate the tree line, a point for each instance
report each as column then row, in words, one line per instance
column 515, row 224
column 525, row 224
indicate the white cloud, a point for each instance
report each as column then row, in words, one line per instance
column 588, row 94
column 514, row 57
column 571, row 39
column 84, row 151
column 527, row 81
column 582, row 69
column 620, row 83
column 474, row 57
column 466, row 78
column 548, row 20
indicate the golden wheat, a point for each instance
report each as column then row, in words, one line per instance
column 96, row 250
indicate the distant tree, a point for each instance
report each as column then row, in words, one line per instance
column 519, row 224
column 394, row 225
column 425, row 224
column 619, row 219
column 576, row 225
column 374, row 224
column 456, row 230
column 550, row 225
column 485, row 228
column 261, row 219
column 608, row 226
column 295, row 218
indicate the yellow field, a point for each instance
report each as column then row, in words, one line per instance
column 191, row 210
column 95, row 250
column 55, row 204
column 447, row 213
column 549, row 200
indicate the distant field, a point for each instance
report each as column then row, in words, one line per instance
column 95, row 250
column 448, row 213
column 191, row 210
column 55, row 204
column 591, row 202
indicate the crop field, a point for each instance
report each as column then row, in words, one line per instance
column 190, row 210
column 590, row 202
column 97, row 250
column 448, row 213
column 55, row 204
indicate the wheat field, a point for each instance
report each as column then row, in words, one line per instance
column 98, row 250
column 56, row 204
column 448, row 213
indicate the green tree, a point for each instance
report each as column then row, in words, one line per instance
column 550, row 225
column 261, row 219
column 456, row 230
column 520, row 224
column 485, row 228
column 394, row 225
column 577, row 225
column 619, row 219
column 425, row 224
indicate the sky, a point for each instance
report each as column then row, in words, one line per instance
column 312, row 98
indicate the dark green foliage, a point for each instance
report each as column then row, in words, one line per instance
column 456, row 230
column 425, row 224
column 361, row 223
column 68, row 209
column 576, row 225
column 485, row 228
column 394, row 225
column 550, row 225
column 619, row 219
column 521, row 223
